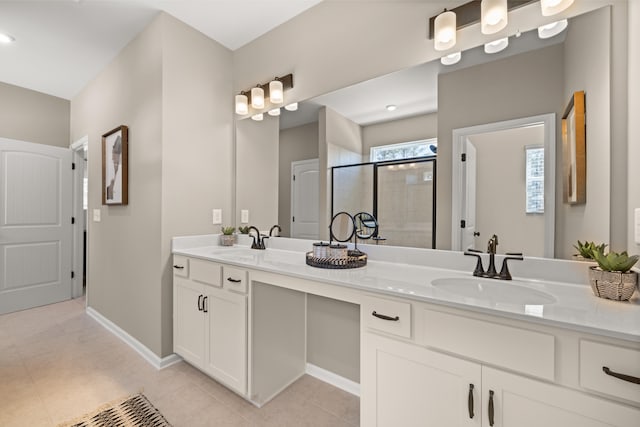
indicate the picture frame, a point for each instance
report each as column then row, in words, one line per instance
column 115, row 166
column 574, row 153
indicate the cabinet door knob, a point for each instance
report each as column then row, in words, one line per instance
column 623, row 377
column 470, row 403
column 491, row 409
column 383, row 317
column 234, row 280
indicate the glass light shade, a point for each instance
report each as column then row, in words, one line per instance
column 257, row 117
column 496, row 45
column 242, row 104
column 257, row 97
column 553, row 29
column 274, row 112
column 551, row 7
column 6, row 38
column 291, row 107
column 451, row 59
column 444, row 31
column 276, row 93
column 493, row 16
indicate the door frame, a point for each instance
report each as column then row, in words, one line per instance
column 78, row 242
column 457, row 179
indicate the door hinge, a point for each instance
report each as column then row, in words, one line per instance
column 73, row 274
column 73, row 220
column 73, row 166
column 463, row 157
column 463, row 223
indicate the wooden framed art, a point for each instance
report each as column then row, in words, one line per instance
column 115, row 167
column 574, row 150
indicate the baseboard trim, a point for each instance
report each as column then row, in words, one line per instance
column 334, row 379
column 141, row 349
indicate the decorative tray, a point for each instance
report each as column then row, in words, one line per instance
column 354, row 259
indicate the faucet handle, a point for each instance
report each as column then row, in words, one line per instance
column 479, row 270
column 504, row 271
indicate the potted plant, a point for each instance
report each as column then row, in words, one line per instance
column 586, row 250
column 227, row 238
column 612, row 278
column 244, row 230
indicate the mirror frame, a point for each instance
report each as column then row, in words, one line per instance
column 457, row 178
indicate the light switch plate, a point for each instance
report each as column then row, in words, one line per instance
column 636, row 226
column 244, row 216
column 96, row 215
column 217, row 216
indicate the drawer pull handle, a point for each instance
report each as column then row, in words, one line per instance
column 200, row 302
column 470, row 400
column 383, row 317
column 622, row 377
column 234, row 280
column 204, row 304
column 179, row 267
column 491, row 409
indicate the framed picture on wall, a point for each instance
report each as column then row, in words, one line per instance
column 574, row 153
column 115, row 169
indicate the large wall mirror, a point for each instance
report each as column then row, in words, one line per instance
column 284, row 163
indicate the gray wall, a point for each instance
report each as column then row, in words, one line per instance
column 633, row 157
column 297, row 143
column 410, row 129
column 170, row 86
column 523, row 85
column 32, row 116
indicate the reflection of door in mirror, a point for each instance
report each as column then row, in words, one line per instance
column 305, row 196
column 508, row 195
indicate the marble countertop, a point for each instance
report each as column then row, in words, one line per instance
column 575, row 307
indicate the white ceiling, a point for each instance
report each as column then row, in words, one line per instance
column 61, row 45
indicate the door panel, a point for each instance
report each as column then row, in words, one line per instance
column 305, row 199
column 35, row 224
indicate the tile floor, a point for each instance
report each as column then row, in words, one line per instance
column 57, row 363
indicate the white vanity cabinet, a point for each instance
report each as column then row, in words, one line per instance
column 210, row 321
column 423, row 366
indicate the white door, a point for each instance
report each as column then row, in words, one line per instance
column 305, row 199
column 35, row 224
column 469, row 197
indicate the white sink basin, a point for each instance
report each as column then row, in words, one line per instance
column 495, row 291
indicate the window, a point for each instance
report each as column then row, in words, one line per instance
column 535, row 179
column 404, row 150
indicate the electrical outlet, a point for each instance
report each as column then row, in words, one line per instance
column 217, row 216
column 244, row 216
column 96, row 215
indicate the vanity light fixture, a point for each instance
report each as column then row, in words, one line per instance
column 552, row 7
column 444, row 30
column 291, row 107
column 6, row 38
column 493, row 16
column 274, row 112
column 552, row 29
column 257, row 117
column 256, row 97
column 496, row 45
column 452, row 58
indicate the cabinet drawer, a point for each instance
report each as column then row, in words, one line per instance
column 521, row 350
column 392, row 317
column 180, row 266
column 620, row 360
column 235, row 279
column 206, row 272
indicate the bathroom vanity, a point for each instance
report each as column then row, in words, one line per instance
column 438, row 347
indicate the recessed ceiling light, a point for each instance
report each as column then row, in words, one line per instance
column 6, row 38
column 391, row 107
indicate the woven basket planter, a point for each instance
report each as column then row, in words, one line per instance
column 612, row 284
column 227, row 239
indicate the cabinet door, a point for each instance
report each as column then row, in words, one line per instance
column 406, row 385
column 188, row 321
column 523, row 402
column 227, row 332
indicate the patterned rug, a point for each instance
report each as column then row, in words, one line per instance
column 134, row 411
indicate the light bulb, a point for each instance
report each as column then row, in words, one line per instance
column 552, row 7
column 444, row 33
column 496, row 45
column 276, row 94
column 552, row 29
column 493, row 16
column 257, row 97
column 452, row 58
column 257, row 117
column 274, row 112
column 242, row 105
column 291, row 107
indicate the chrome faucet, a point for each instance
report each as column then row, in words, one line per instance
column 258, row 239
column 275, row 227
column 491, row 270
